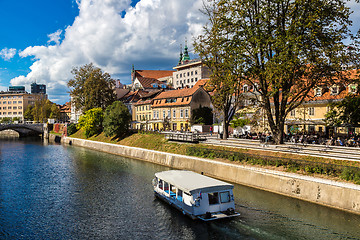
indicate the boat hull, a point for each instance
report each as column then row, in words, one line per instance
column 204, row 217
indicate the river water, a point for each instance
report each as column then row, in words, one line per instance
column 65, row 192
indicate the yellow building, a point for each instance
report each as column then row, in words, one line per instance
column 310, row 116
column 14, row 103
column 171, row 110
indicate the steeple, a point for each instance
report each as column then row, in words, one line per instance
column 181, row 55
column 186, row 54
column 132, row 74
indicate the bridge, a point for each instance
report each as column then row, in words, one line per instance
column 26, row 129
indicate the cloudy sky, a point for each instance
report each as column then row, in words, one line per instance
column 43, row 40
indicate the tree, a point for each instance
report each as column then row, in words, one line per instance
column 91, row 122
column 344, row 112
column 283, row 49
column 28, row 114
column 55, row 111
column 202, row 115
column 240, row 121
column 91, row 88
column 117, row 120
column 42, row 110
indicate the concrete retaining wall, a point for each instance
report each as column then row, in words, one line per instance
column 334, row 194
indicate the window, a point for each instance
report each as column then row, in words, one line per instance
column 192, row 73
column 188, row 80
column 225, row 197
column 169, row 114
column 213, row 198
column 177, row 75
column 352, row 88
column 292, row 113
column 180, row 75
column 311, row 111
column 4, row 108
column 161, row 186
column 195, row 72
column 187, row 113
column 14, row 102
column 245, row 88
column 334, row 90
column 318, row 92
column 9, row 102
column 188, row 74
column 192, row 80
column 174, row 113
column 181, row 113
column 195, row 79
column 154, row 114
column 14, row 107
column 9, row 107
column 164, row 114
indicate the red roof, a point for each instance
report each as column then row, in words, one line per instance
column 156, row 74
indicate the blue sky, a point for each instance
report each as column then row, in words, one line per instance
column 43, row 40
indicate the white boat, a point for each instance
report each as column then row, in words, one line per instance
column 196, row 195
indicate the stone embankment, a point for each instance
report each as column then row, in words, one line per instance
column 344, row 196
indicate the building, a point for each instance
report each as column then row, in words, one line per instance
column 142, row 110
column 65, row 112
column 188, row 71
column 310, row 116
column 38, row 88
column 171, row 110
column 150, row 80
column 13, row 104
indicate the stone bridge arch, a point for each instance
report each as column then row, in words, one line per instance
column 25, row 129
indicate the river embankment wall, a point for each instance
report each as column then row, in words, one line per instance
column 344, row 196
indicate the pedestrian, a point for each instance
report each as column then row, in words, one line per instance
column 211, row 130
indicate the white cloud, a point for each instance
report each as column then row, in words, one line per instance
column 148, row 35
column 7, row 53
column 55, row 37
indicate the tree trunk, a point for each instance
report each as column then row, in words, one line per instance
column 278, row 134
column 226, row 130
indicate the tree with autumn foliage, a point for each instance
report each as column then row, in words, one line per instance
column 91, row 88
column 282, row 49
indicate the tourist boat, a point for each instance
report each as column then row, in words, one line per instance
column 196, row 195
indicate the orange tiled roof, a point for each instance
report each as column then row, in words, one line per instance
column 201, row 82
column 178, row 97
column 147, row 82
column 153, row 73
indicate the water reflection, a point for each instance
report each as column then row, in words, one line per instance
column 65, row 192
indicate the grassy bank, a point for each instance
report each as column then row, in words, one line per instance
column 307, row 165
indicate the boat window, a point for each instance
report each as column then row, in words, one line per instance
column 161, row 184
column 166, row 187
column 180, row 195
column 225, row 197
column 172, row 191
column 213, row 198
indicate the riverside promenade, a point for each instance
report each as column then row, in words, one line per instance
column 340, row 195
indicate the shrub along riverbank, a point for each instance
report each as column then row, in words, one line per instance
column 307, row 165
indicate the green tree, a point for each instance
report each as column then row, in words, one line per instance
column 202, row 115
column 117, row 120
column 240, row 121
column 42, row 110
column 91, row 88
column 344, row 112
column 91, row 122
column 28, row 114
column 282, row 49
column 55, row 112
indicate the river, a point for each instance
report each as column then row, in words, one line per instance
column 50, row 191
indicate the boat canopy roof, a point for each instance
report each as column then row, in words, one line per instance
column 192, row 182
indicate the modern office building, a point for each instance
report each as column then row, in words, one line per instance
column 38, row 88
